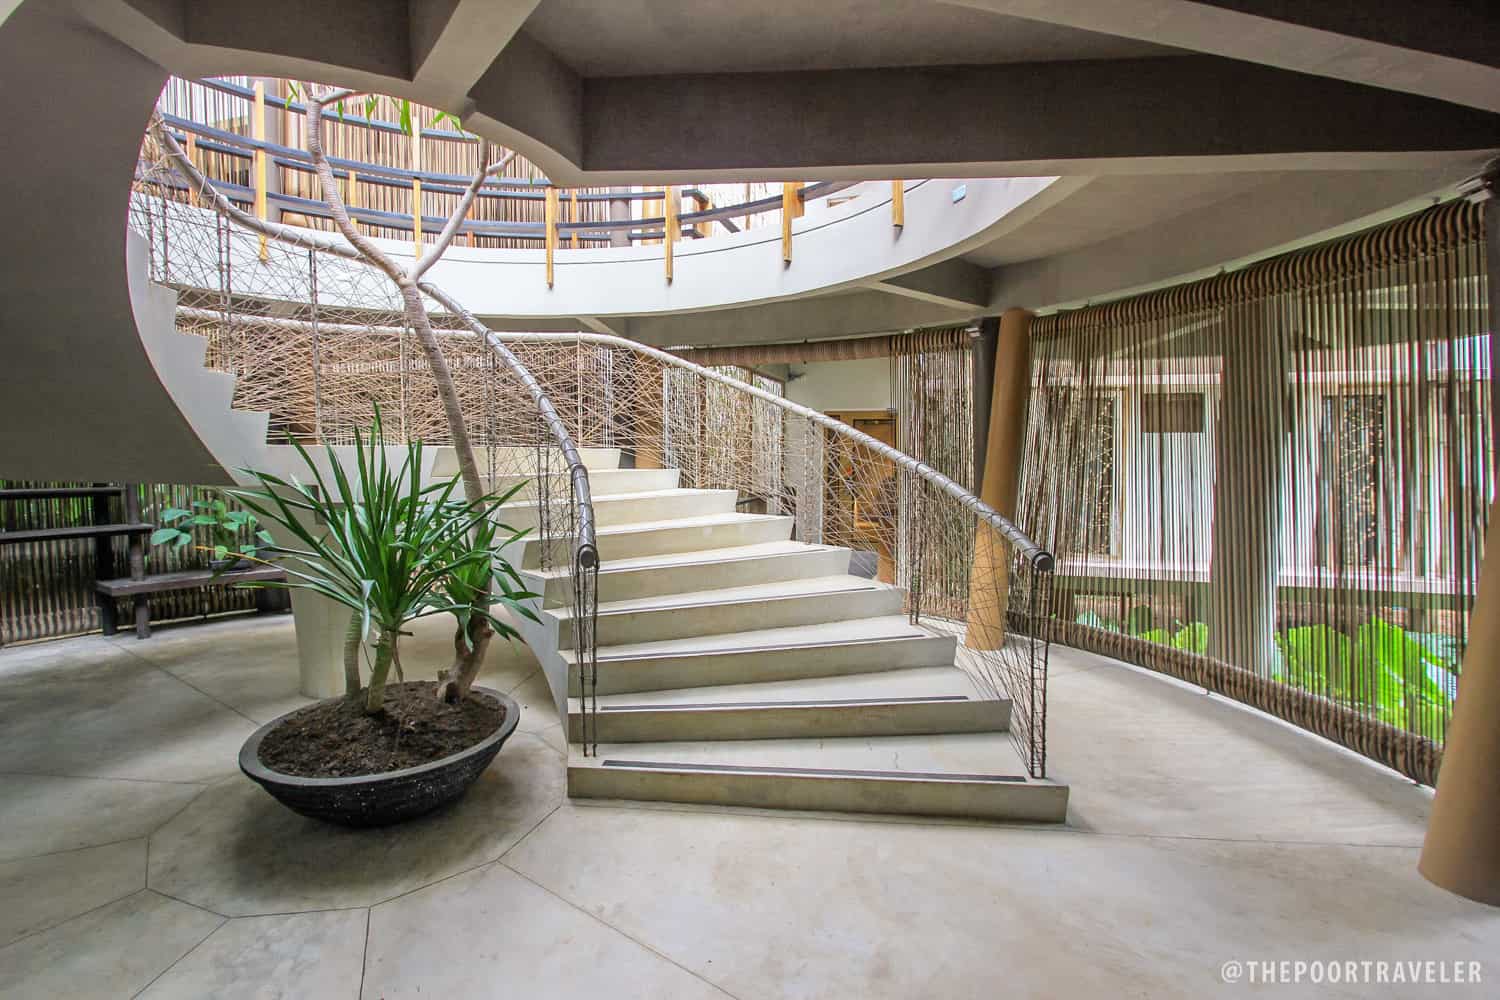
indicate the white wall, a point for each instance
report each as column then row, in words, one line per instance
column 832, row 385
column 841, row 385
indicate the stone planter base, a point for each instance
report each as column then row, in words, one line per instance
column 380, row 799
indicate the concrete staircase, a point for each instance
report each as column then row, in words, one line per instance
column 739, row 667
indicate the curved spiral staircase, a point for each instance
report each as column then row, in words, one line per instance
column 736, row 666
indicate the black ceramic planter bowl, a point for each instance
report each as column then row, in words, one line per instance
column 380, row 799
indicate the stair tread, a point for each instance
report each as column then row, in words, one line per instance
column 676, row 491
column 978, row 756
column 779, row 589
column 907, row 684
column 695, row 557
column 601, row 481
column 769, row 639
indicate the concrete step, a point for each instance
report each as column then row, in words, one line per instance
column 683, row 572
column 652, row 538
column 736, row 609
column 832, row 649
column 912, row 701
column 976, row 775
column 602, row 482
column 628, row 508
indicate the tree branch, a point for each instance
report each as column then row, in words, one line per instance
column 307, row 239
column 334, row 200
column 450, row 229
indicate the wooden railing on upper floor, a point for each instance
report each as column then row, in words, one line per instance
column 400, row 185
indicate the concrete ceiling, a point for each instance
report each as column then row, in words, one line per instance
column 652, row 91
column 1196, row 131
column 1108, row 206
column 717, row 36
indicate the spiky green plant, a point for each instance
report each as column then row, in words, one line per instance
column 389, row 549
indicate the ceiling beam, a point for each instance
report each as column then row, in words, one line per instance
column 605, row 325
column 1446, row 49
column 453, row 42
column 954, row 283
column 1098, row 116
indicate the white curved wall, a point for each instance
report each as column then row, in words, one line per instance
column 847, row 245
column 832, row 248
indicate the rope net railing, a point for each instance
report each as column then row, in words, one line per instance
column 317, row 339
column 1275, row 483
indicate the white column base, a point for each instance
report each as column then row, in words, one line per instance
column 321, row 627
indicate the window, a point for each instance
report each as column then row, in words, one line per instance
column 1172, row 413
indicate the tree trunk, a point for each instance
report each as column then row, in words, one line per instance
column 469, row 657
column 352, row 640
column 375, row 697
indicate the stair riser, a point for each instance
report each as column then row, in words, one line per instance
column 602, row 482
column 716, row 619
column 1007, row 801
column 801, row 722
column 752, row 666
column 666, row 541
column 625, row 585
column 523, row 460
column 608, row 513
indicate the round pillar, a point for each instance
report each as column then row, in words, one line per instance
column 989, row 579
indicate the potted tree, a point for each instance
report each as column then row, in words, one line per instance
column 391, row 550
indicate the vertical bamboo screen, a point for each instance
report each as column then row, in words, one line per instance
column 933, row 393
column 47, row 588
column 1275, row 483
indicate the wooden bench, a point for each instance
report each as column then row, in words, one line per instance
column 140, row 589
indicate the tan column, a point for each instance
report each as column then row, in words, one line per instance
column 1462, row 850
column 989, row 580
column 649, row 428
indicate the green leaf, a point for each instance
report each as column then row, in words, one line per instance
column 1192, row 637
column 162, row 535
column 406, row 117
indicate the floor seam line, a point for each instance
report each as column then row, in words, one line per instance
column 534, row 827
column 487, row 862
column 219, row 926
column 68, row 920
column 72, row 850
column 627, row 936
column 191, row 686
column 364, row 956
column 103, row 777
column 189, row 902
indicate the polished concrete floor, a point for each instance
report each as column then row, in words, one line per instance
column 135, row 860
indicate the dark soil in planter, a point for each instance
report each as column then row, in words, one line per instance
column 336, row 739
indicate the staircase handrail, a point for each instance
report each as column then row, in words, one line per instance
column 1040, row 558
